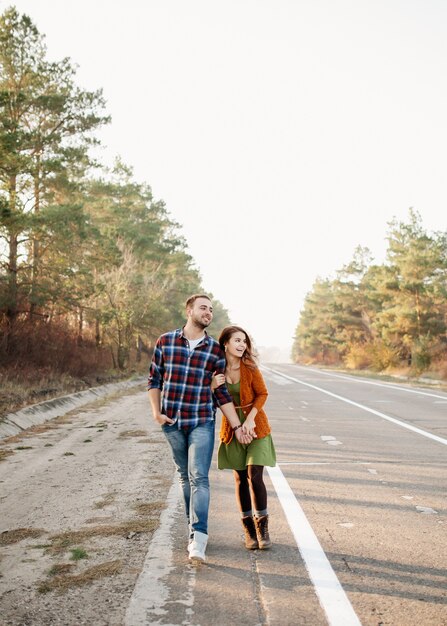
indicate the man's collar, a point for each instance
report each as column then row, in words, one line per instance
column 180, row 333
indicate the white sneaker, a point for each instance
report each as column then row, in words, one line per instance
column 197, row 547
column 190, row 539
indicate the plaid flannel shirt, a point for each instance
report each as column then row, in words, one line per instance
column 185, row 379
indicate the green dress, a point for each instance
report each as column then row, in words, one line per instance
column 237, row 456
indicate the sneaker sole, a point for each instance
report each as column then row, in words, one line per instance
column 196, row 560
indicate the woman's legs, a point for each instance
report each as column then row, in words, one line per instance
column 242, row 491
column 250, row 490
column 243, row 499
column 258, row 489
column 259, row 498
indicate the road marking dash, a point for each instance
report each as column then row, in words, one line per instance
column 345, row 524
column 426, row 510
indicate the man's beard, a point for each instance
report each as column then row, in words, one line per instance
column 201, row 324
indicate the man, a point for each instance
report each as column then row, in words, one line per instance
column 182, row 366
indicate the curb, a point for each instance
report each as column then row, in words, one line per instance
column 14, row 423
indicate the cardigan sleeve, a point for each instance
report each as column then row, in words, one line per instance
column 259, row 389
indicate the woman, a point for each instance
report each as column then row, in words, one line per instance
column 247, row 388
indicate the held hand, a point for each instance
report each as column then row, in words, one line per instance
column 217, row 380
column 242, row 436
column 163, row 419
column 249, row 427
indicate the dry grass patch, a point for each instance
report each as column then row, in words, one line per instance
column 154, row 441
column 5, row 453
column 149, row 509
column 99, row 520
column 64, row 419
column 30, row 432
column 63, row 582
column 63, row 541
column 133, row 433
column 60, row 569
column 8, row 537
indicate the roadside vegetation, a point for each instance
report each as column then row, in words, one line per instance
column 390, row 317
column 92, row 266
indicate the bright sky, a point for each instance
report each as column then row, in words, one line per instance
column 280, row 133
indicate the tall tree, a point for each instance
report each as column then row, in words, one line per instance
column 315, row 337
column 143, row 272
column 46, row 125
column 413, row 321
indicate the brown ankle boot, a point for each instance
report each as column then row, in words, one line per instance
column 262, row 532
column 251, row 541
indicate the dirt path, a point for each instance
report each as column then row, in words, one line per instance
column 80, row 498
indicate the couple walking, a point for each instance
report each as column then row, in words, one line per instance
column 190, row 375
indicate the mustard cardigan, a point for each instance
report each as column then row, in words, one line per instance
column 253, row 393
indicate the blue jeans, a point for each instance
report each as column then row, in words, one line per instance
column 192, row 450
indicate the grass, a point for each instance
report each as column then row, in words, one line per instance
column 77, row 554
column 62, row 541
column 150, row 508
column 100, row 427
column 60, row 569
column 8, row 537
column 21, row 388
column 63, row 582
column 133, row 433
column 30, row 432
column 151, row 440
column 5, row 453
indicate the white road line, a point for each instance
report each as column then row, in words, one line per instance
column 331, row 594
column 371, row 382
column 325, row 463
column 419, row 431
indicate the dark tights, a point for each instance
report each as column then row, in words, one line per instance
column 250, row 488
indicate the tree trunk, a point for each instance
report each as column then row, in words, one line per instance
column 36, row 243
column 11, row 303
column 139, row 349
column 418, row 313
column 97, row 332
column 80, row 326
column 113, row 357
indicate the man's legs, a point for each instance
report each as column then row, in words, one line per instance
column 200, row 452
column 201, row 443
column 192, row 451
column 178, row 440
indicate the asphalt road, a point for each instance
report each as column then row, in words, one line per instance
column 357, row 515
